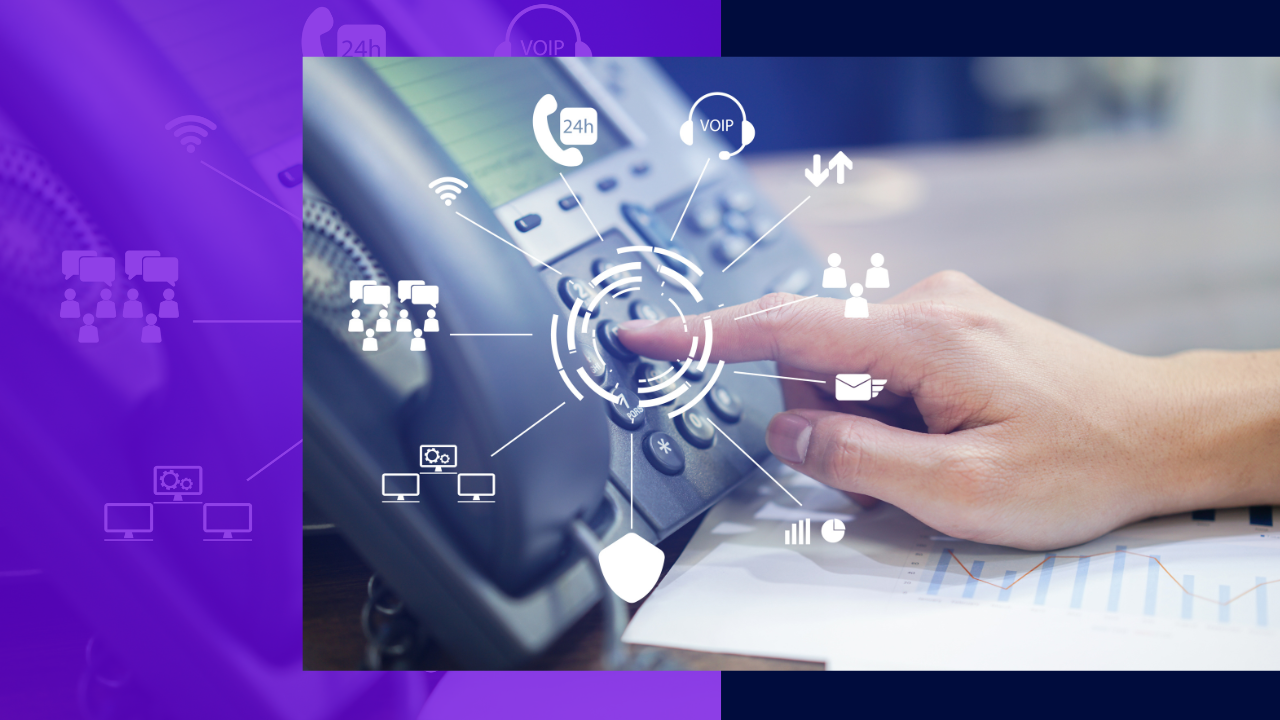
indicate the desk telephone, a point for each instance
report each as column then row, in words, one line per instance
column 513, row 256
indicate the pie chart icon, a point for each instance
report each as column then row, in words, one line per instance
column 832, row 530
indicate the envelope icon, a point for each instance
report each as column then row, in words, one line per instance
column 857, row 387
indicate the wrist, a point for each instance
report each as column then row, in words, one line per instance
column 1221, row 430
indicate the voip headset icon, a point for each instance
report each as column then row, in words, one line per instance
column 580, row 48
column 748, row 130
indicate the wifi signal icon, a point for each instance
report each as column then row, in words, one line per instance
column 189, row 131
column 448, row 193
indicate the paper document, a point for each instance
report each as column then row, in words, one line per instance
column 1169, row 592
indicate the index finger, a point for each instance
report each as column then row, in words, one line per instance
column 809, row 333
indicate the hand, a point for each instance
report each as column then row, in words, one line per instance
column 997, row 425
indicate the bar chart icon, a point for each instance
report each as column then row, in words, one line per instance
column 798, row 534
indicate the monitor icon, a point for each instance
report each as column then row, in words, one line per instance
column 227, row 518
column 438, row 457
column 127, row 518
column 177, row 480
column 399, row 485
column 476, row 485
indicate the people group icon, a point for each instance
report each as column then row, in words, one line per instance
column 877, row 277
column 104, row 307
column 382, row 324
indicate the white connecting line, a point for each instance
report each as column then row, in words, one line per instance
column 273, row 462
column 775, row 307
column 246, row 187
column 753, row 460
column 766, row 233
column 686, row 205
column 473, row 222
column 544, row 417
column 780, row 377
column 584, row 210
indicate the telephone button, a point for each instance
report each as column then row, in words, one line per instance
column 568, row 202
column 737, row 222
column 693, row 373
column 627, row 414
column 705, row 217
column 596, row 367
column 601, row 265
column 607, row 332
column 664, row 453
column 647, row 376
column 571, row 289
column 641, row 310
column 739, row 200
column 725, row 404
column 528, row 222
column 607, row 184
column 695, row 428
column 729, row 248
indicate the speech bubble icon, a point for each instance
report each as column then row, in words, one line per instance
column 98, row 269
column 357, row 288
column 160, row 269
column 377, row 295
column 71, row 261
column 133, row 261
column 404, row 287
column 425, row 295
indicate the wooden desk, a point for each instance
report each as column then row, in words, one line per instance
column 1148, row 245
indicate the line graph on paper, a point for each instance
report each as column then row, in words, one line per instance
column 1220, row 569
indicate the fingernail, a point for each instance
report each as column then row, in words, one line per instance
column 637, row 324
column 788, row 436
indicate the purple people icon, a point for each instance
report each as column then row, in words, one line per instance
column 168, row 308
column 106, row 306
column 88, row 333
column 228, row 518
column 150, row 333
column 70, row 308
column 132, row 308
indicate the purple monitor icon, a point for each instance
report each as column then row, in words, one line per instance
column 127, row 518
column 227, row 518
column 177, row 480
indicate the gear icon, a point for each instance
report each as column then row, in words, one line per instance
column 186, row 483
column 167, row 482
column 433, row 456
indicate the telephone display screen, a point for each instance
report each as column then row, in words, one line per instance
column 479, row 110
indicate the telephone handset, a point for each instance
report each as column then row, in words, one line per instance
column 570, row 157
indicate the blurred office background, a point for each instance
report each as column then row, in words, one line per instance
column 1132, row 199
column 877, row 101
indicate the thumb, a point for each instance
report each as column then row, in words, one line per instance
column 858, row 454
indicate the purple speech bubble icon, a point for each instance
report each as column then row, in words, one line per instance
column 133, row 261
column 160, row 269
column 98, row 269
column 71, row 261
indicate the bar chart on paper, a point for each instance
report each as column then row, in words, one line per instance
column 1222, row 569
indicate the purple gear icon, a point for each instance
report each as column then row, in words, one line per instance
column 169, row 483
column 186, row 484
